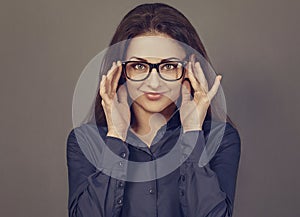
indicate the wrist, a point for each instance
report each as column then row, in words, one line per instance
column 192, row 128
column 113, row 133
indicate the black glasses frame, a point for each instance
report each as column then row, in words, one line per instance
column 153, row 65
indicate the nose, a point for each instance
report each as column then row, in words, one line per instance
column 153, row 80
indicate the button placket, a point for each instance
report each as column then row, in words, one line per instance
column 181, row 193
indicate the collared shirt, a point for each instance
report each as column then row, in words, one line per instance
column 189, row 190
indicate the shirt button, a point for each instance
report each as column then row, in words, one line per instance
column 181, row 193
column 123, row 154
column 119, row 201
column 121, row 184
column 151, row 191
column 184, row 156
column 121, row 164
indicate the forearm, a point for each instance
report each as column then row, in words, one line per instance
column 86, row 200
column 209, row 190
column 91, row 190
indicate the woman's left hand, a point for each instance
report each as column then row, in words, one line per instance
column 193, row 109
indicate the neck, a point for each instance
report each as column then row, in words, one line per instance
column 147, row 123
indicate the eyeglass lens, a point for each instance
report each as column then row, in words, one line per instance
column 169, row 70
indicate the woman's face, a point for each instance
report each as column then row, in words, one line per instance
column 154, row 94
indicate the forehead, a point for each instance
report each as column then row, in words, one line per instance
column 154, row 46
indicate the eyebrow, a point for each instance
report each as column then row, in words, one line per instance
column 163, row 60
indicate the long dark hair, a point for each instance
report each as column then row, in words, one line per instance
column 152, row 18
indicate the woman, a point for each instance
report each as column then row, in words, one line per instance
column 155, row 98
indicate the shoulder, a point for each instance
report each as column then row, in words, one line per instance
column 223, row 133
column 223, row 145
column 85, row 134
column 86, row 143
column 231, row 137
column 86, row 130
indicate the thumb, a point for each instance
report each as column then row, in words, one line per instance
column 122, row 94
column 186, row 91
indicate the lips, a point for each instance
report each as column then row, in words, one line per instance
column 153, row 95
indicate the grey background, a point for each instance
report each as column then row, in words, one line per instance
column 46, row 44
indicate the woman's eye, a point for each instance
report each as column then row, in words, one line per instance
column 169, row 66
column 139, row 66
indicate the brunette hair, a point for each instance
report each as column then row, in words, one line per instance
column 151, row 19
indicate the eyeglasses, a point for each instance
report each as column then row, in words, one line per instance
column 140, row 70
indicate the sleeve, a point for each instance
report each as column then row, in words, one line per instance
column 208, row 191
column 91, row 192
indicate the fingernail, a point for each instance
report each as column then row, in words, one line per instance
column 220, row 77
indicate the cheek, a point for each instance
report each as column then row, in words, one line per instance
column 175, row 92
column 133, row 90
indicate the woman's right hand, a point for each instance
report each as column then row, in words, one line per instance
column 114, row 103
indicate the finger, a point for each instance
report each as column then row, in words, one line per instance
column 193, row 80
column 201, row 76
column 103, row 91
column 192, row 59
column 122, row 94
column 186, row 92
column 109, row 75
column 215, row 87
column 116, row 77
column 108, row 88
column 111, row 70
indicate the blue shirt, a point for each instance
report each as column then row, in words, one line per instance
column 189, row 190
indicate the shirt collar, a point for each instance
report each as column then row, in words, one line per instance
column 172, row 124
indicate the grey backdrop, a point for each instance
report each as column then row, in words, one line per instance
column 46, row 44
